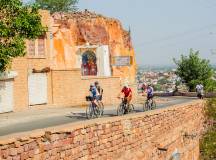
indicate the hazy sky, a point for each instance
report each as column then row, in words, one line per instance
column 163, row 29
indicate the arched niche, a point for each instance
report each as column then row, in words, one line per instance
column 89, row 63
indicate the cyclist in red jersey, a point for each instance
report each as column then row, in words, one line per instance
column 127, row 92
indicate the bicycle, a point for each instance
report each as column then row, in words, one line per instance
column 94, row 110
column 150, row 104
column 124, row 107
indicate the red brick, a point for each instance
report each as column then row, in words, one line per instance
column 17, row 157
column 5, row 153
column 13, row 152
column 24, row 156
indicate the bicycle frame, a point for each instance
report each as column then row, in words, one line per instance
column 124, row 107
column 149, row 104
column 94, row 110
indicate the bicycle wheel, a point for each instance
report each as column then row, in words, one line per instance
column 131, row 108
column 98, row 110
column 153, row 105
column 120, row 110
column 89, row 111
column 145, row 106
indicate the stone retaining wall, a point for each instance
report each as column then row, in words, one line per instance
column 156, row 135
column 186, row 94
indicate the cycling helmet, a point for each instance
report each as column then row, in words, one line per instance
column 126, row 85
column 96, row 82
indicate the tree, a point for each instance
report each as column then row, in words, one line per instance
column 192, row 69
column 157, row 87
column 58, row 5
column 17, row 23
column 210, row 85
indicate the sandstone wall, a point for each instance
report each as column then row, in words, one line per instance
column 154, row 135
column 70, row 89
column 75, row 29
column 24, row 65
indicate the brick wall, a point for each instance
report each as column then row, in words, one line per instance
column 70, row 89
column 154, row 135
column 21, row 92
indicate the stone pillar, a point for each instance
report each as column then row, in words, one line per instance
column 6, row 91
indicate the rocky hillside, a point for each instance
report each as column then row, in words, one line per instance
column 79, row 28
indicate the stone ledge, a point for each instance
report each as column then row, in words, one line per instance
column 8, row 75
column 98, row 77
column 68, row 70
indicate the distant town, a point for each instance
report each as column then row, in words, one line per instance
column 162, row 78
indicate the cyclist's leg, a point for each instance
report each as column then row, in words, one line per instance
column 100, row 107
column 92, row 109
column 148, row 98
column 151, row 98
column 125, row 105
column 121, row 108
column 129, row 99
column 153, row 105
column 94, row 105
column 145, row 106
column 95, row 101
column 148, row 101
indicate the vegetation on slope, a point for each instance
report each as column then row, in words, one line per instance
column 208, row 142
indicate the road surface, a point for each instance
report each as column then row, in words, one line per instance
column 20, row 124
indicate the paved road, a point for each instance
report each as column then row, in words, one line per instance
column 78, row 115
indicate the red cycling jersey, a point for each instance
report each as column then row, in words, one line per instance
column 126, row 92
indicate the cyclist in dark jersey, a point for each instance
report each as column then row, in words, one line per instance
column 150, row 92
column 99, row 90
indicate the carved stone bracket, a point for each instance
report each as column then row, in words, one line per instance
column 44, row 70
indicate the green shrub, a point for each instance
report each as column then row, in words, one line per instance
column 208, row 142
column 210, row 85
column 208, row 145
column 210, row 109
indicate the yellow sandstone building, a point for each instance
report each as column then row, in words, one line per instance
column 78, row 49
